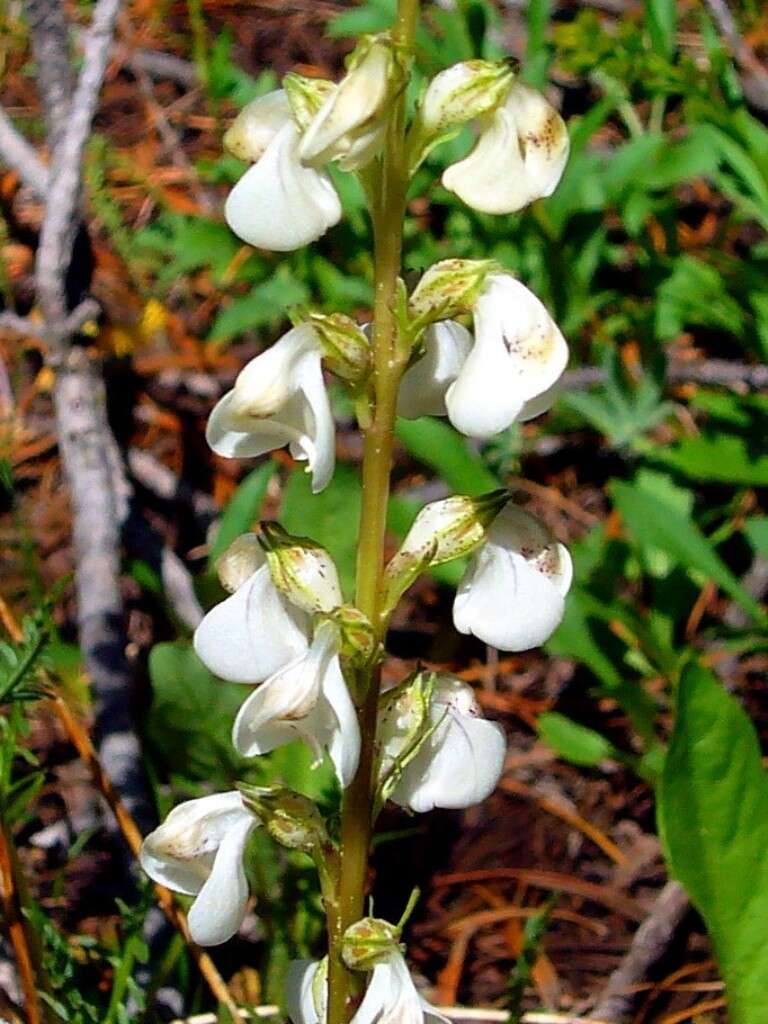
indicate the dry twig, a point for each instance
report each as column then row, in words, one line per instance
column 650, row 942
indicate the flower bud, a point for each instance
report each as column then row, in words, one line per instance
column 350, row 125
column 306, row 96
column 463, row 92
column 346, row 350
column 301, row 569
column 256, row 125
column 448, row 288
column 442, row 531
column 290, row 818
column 368, row 942
column 357, row 640
column 239, row 562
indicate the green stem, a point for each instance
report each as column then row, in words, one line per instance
column 389, row 363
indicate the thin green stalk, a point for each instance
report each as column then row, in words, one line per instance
column 389, row 363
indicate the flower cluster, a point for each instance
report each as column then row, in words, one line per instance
column 476, row 346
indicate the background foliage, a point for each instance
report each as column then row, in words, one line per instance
column 652, row 256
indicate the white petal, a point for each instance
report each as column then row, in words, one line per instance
column 219, row 909
column 306, row 699
column 512, row 594
column 461, row 762
column 178, row 853
column 423, row 387
column 519, row 157
column 543, row 137
column 391, row 997
column 358, row 99
column 252, row 634
column 266, row 382
column 317, row 443
column 292, row 409
column 257, row 124
column 299, row 1001
column 287, row 696
column 518, row 355
column 344, row 739
column 280, row 204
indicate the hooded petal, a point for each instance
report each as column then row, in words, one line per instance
column 280, row 204
column 299, row 999
column 512, row 595
column 346, row 115
column 219, row 909
column 461, row 762
column 519, row 157
column 519, row 354
column 253, row 633
column 257, row 124
column 422, row 389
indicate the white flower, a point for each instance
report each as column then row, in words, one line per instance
column 279, row 203
column 252, row 634
column 279, row 398
column 306, row 699
column 462, row 760
column 422, row 389
column 349, row 126
column 518, row 356
column 519, row 157
column 198, row 850
column 391, row 997
column 512, row 595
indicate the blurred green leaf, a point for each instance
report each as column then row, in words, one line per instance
column 661, row 21
column 242, row 510
column 713, row 812
column 267, row 303
column 655, row 522
column 575, row 742
column 439, row 446
column 189, row 722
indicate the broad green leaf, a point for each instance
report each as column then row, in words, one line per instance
column 443, row 449
column 713, row 812
column 242, row 510
column 190, row 718
column 573, row 741
column 538, row 50
column 655, row 523
column 330, row 518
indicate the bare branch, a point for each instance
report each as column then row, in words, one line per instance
column 650, row 942
column 60, row 219
column 50, row 43
column 17, row 153
column 741, row 377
